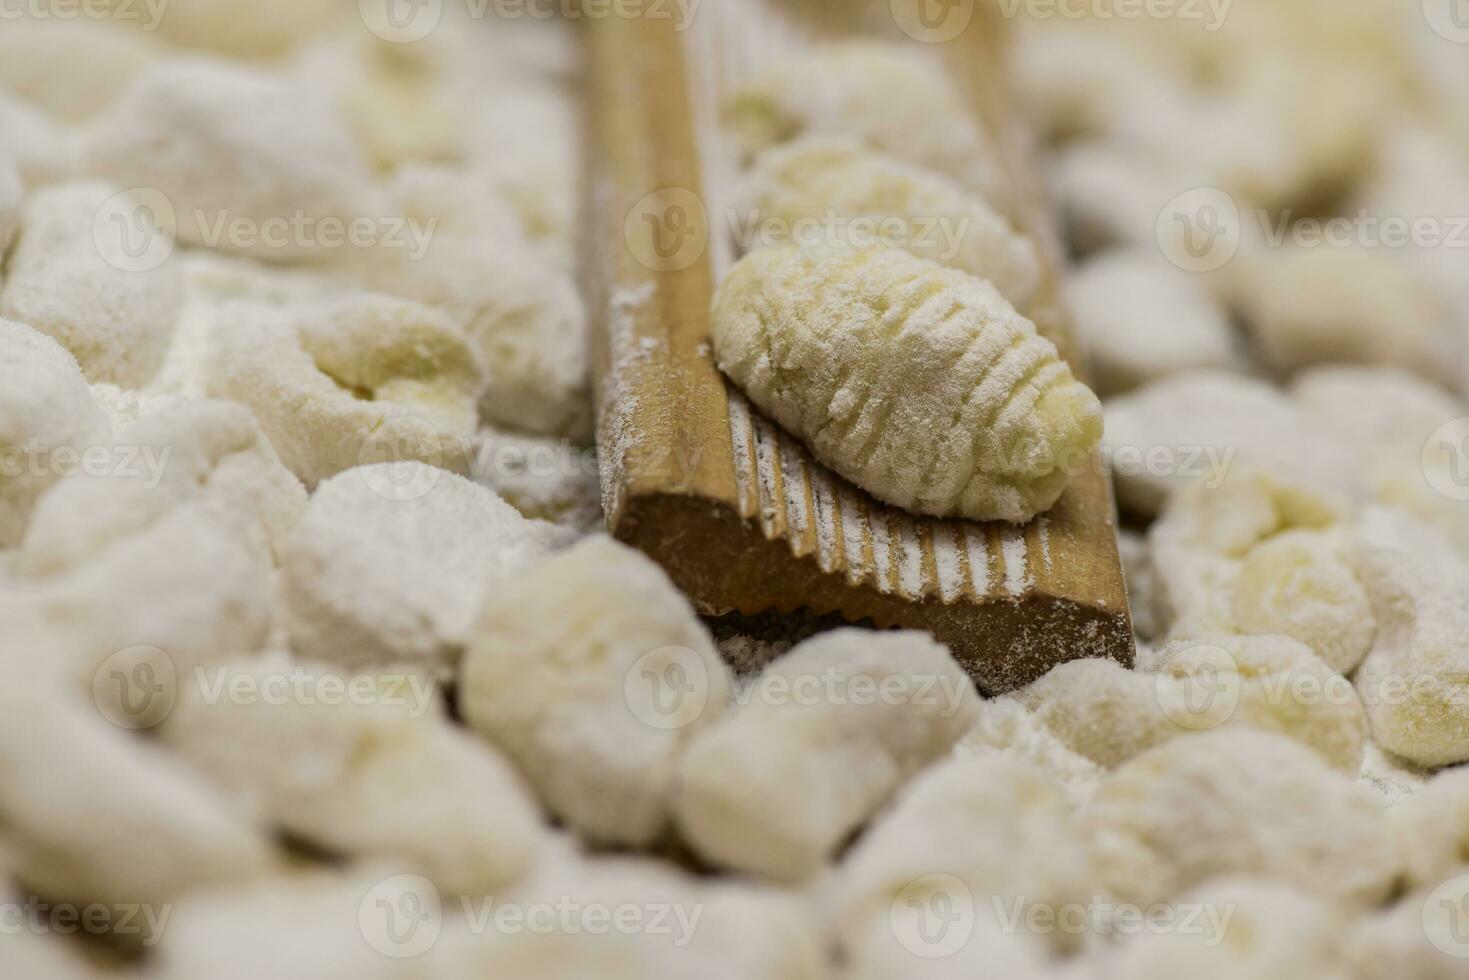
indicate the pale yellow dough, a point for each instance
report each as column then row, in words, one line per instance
column 917, row 382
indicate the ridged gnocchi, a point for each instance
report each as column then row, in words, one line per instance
column 931, row 215
column 918, row 383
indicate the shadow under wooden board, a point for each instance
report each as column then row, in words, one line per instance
column 737, row 511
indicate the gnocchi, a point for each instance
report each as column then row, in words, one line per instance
column 596, row 707
column 892, row 100
column 210, row 452
column 992, row 830
column 1110, row 714
column 93, row 816
column 919, row 383
column 1197, row 426
column 1390, row 415
column 522, row 313
column 1236, row 802
column 1390, row 945
column 1008, row 729
column 1412, row 681
column 940, row 220
column 824, row 737
column 1140, row 319
column 67, row 280
column 45, row 405
column 380, row 774
column 372, row 575
column 249, row 162
column 1431, row 828
column 350, row 381
column 1319, row 305
column 1245, row 927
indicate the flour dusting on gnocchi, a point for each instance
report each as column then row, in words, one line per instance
column 918, row 383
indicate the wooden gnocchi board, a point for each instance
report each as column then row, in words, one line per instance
column 736, row 510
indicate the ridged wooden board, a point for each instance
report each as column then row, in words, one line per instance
column 737, row 510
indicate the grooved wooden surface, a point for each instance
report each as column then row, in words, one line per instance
column 737, row 510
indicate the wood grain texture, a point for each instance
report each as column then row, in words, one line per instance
column 737, row 510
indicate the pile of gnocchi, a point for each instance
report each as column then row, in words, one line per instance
column 320, row 667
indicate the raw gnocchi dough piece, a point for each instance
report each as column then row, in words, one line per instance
column 544, row 479
column 991, row 831
column 251, row 163
column 1432, row 828
column 349, row 382
column 375, row 577
column 205, row 451
column 808, row 769
column 521, row 312
column 1198, row 425
column 319, row 923
column 45, row 405
column 1418, row 937
column 378, row 774
column 817, row 179
column 707, row 928
column 592, row 672
column 889, row 98
column 1413, row 681
column 1239, row 927
column 246, row 28
column 1008, row 729
column 1282, row 687
column 1390, row 416
column 93, row 815
column 919, row 383
column 1141, row 319
column 1259, row 556
column 1327, row 304
column 1204, row 536
column 992, row 950
column 186, row 586
column 1236, row 802
column 71, row 69
column 65, row 279
column 1301, row 584
column 1110, row 714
